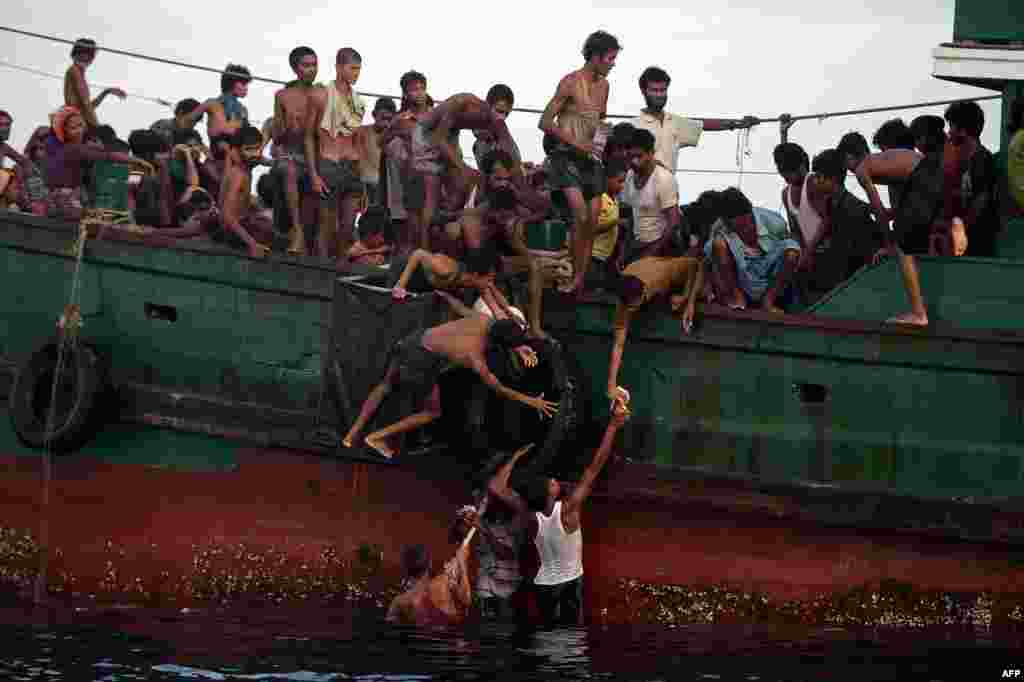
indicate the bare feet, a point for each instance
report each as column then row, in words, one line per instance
column 257, row 250
column 297, row 241
column 380, row 446
column 910, row 318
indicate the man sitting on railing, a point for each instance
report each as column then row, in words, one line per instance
column 753, row 255
column 241, row 224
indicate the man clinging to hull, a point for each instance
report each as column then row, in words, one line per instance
column 435, row 149
column 336, row 112
column 572, row 118
column 76, row 89
column 291, row 116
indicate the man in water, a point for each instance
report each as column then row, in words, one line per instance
column 554, row 523
column 918, row 177
column 572, row 119
column 418, row 360
column 291, row 116
column 76, row 89
column 333, row 160
column 436, row 599
column 436, row 155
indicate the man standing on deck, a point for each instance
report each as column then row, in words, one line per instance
column 672, row 132
column 554, row 522
column 331, row 154
column 291, row 116
column 368, row 140
column 572, row 119
column 76, row 89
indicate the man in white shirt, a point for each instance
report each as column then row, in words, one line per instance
column 672, row 132
column 650, row 189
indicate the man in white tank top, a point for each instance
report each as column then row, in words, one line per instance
column 806, row 206
column 554, row 523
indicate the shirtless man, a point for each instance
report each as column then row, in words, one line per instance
column 244, row 153
column 435, row 149
column 421, row 357
column 554, row 521
column 510, row 202
column 920, row 200
column 291, row 116
column 572, row 118
column 368, row 141
column 501, row 99
column 76, row 89
column 441, row 599
column 332, row 158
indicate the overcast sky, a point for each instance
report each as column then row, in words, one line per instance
column 726, row 59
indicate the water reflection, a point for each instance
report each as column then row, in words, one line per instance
column 315, row 646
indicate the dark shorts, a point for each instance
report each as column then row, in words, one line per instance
column 920, row 202
column 341, row 177
column 567, row 170
column 372, row 193
column 560, row 604
column 600, row 275
column 418, row 368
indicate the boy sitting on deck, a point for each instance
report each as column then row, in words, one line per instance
column 241, row 224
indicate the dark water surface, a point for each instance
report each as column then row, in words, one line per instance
column 322, row 644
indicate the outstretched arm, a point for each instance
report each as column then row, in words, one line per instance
column 498, row 485
column 547, row 408
column 593, row 470
column 415, row 259
column 622, row 320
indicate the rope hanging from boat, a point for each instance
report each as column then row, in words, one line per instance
column 527, row 110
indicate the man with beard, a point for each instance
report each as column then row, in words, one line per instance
column 672, row 132
column 509, row 204
column 572, row 119
column 291, row 116
column 336, row 112
column 238, row 220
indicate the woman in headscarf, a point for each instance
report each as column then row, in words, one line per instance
column 67, row 153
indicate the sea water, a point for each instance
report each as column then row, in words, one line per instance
column 318, row 644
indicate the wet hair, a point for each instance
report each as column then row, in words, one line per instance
column 385, row 104
column 654, row 74
column 376, row 220
column 598, row 44
column 630, row 289
column 186, row 106
column 245, row 136
column 296, row 56
column 186, row 136
column 789, row 157
column 234, row 73
column 641, row 138
column 929, row 133
column 506, row 334
column 144, row 144
column 1016, row 119
column 966, row 115
column 266, row 189
column 830, row 163
column 733, row 203
column 535, row 493
column 415, row 560
column 500, row 92
column 348, row 55
column 853, row 144
column 4, row 114
column 893, row 134
column 615, row 167
column 83, row 47
column 482, row 260
column 496, row 156
column 106, row 134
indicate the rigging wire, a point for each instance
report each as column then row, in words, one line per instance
column 37, row 72
column 528, row 110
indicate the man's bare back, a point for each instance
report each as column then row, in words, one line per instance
column 462, row 341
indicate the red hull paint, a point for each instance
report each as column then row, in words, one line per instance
column 152, row 526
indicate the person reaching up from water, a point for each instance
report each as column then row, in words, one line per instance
column 76, row 89
column 554, row 521
column 919, row 179
column 416, row 361
column 443, row 598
